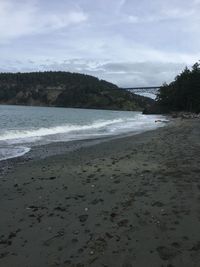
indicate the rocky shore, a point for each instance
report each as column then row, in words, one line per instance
column 185, row 115
column 133, row 201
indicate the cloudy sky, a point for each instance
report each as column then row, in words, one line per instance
column 128, row 42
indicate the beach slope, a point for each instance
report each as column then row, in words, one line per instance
column 133, row 201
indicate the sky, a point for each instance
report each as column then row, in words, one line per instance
column 127, row 42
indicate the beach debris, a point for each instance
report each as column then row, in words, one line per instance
column 93, row 185
column 35, row 208
column 109, row 235
column 123, row 223
column 8, row 241
column 60, row 209
column 167, row 253
column 163, row 212
column 96, row 201
column 196, row 247
column 86, row 209
column 76, row 232
column 3, row 254
column 157, row 204
column 59, row 234
column 49, row 228
column 155, row 220
column 112, row 216
column 52, row 178
column 185, row 115
column 83, row 218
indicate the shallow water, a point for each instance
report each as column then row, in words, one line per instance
column 24, row 127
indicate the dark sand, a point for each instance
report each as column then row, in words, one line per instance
column 133, row 201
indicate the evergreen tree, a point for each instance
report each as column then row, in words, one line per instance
column 183, row 93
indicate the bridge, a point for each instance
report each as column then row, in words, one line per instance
column 150, row 91
column 143, row 88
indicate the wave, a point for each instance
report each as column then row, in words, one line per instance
column 15, row 143
column 98, row 128
column 36, row 133
column 12, row 152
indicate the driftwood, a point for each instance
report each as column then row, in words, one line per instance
column 185, row 115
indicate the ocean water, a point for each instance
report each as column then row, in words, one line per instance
column 21, row 127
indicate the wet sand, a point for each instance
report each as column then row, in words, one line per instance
column 134, row 201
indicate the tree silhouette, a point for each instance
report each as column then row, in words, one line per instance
column 183, row 94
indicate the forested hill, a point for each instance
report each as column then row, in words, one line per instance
column 65, row 89
column 183, row 94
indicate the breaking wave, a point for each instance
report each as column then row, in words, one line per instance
column 30, row 129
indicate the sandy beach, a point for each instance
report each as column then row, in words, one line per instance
column 129, row 202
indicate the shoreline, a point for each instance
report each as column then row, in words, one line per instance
column 59, row 148
column 131, row 201
column 19, row 137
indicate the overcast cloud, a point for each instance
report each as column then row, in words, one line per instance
column 128, row 42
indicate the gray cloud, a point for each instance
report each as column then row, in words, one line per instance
column 24, row 18
column 124, row 41
column 125, row 74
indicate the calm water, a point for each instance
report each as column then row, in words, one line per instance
column 24, row 127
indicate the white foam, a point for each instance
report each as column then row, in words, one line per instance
column 12, row 152
column 18, row 134
column 11, row 140
column 99, row 127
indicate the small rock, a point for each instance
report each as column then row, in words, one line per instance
column 83, row 218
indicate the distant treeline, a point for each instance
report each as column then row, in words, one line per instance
column 51, row 78
column 65, row 89
column 183, row 94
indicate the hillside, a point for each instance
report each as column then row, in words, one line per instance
column 64, row 89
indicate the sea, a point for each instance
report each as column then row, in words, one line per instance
column 23, row 127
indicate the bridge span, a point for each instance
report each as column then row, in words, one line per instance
column 143, row 88
column 150, row 91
